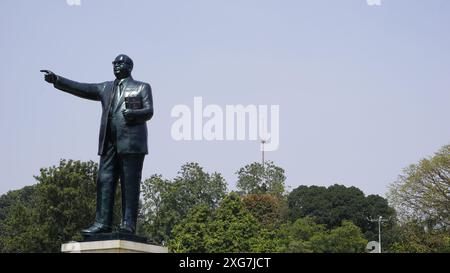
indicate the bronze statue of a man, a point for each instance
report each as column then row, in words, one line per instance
column 127, row 106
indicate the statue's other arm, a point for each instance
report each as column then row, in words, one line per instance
column 146, row 113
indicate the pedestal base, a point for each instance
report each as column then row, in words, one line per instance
column 115, row 236
column 112, row 246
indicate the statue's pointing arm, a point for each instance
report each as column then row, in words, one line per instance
column 83, row 90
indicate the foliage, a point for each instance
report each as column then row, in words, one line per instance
column 62, row 203
column 7, row 201
column 306, row 236
column 347, row 238
column 295, row 237
column 413, row 237
column 421, row 197
column 422, row 192
column 335, row 204
column 166, row 203
column 270, row 211
column 229, row 228
column 234, row 229
column 258, row 179
column 193, row 213
column 14, row 203
column 191, row 232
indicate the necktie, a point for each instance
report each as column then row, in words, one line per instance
column 118, row 94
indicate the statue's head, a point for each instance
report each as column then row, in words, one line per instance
column 122, row 66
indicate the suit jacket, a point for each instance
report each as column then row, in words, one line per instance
column 131, row 136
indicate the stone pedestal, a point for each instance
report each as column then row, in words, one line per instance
column 112, row 243
column 111, row 246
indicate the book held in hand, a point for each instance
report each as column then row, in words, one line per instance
column 133, row 102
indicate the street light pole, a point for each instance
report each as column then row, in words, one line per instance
column 262, row 151
column 379, row 220
column 379, row 231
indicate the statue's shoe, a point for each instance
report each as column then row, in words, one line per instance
column 124, row 228
column 95, row 229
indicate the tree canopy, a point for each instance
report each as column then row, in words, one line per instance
column 53, row 211
column 167, row 202
column 227, row 229
column 257, row 178
column 422, row 192
column 331, row 206
column 421, row 197
column 194, row 213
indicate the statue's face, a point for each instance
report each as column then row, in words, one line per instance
column 122, row 66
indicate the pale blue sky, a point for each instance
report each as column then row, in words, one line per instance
column 363, row 91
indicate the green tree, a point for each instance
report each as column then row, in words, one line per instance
column 270, row 211
column 192, row 232
column 166, row 202
column 413, row 237
column 258, row 179
column 12, row 206
column 421, row 197
column 66, row 200
column 332, row 205
column 295, row 237
column 233, row 229
column 306, row 236
column 422, row 192
column 26, row 196
column 227, row 229
column 62, row 203
column 346, row 238
column 20, row 233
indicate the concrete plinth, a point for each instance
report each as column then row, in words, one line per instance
column 111, row 246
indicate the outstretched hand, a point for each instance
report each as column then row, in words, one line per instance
column 49, row 76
